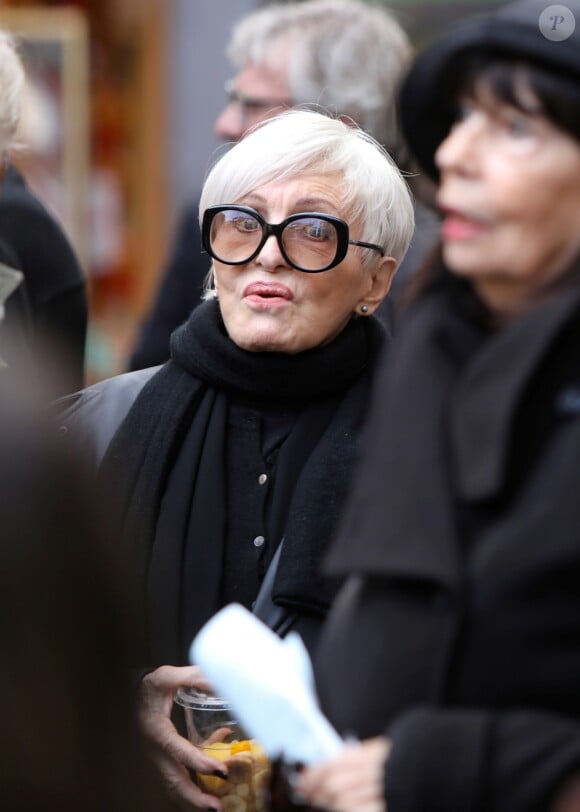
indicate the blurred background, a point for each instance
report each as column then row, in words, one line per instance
column 118, row 129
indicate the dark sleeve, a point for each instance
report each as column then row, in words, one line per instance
column 55, row 332
column 63, row 322
column 50, row 307
column 459, row 760
column 16, row 330
column 180, row 291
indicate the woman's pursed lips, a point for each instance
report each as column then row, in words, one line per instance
column 268, row 290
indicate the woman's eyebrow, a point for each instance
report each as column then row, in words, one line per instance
column 313, row 203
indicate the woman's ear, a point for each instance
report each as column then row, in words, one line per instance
column 379, row 285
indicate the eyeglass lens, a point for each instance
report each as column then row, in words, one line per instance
column 310, row 243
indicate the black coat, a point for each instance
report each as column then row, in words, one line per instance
column 459, row 632
column 48, row 312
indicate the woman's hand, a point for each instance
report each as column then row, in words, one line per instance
column 173, row 754
column 352, row 780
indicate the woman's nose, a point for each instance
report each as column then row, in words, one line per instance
column 459, row 151
column 270, row 256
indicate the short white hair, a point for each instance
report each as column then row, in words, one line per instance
column 303, row 142
column 347, row 56
column 12, row 79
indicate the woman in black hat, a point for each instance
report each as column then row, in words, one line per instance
column 453, row 650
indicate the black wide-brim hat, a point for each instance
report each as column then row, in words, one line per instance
column 516, row 30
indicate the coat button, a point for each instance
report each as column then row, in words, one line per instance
column 259, row 541
column 262, row 479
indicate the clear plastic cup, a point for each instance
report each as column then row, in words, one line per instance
column 212, row 727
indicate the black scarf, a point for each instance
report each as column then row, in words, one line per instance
column 164, row 469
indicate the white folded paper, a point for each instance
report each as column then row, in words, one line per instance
column 268, row 682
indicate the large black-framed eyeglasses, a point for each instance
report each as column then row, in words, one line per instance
column 309, row 241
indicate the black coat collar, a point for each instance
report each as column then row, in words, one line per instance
column 490, row 391
column 439, row 431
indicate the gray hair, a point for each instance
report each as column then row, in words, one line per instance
column 11, row 88
column 301, row 143
column 346, row 56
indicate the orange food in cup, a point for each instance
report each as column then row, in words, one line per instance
column 245, row 788
column 239, row 747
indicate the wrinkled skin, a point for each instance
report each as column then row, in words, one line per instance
column 174, row 755
column 354, row 779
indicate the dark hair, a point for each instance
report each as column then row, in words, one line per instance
column 69, row 731
column 557, row 93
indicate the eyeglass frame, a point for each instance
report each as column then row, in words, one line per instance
column 236, row 96
column 276, row 229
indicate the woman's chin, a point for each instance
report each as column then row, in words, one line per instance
column 289, row 336
column 263, row 340
column 461, row 260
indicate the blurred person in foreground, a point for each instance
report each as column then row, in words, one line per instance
column 47, row 314
column 248, row 434
column 70, row 741
column 346, row 56
column 453, row 649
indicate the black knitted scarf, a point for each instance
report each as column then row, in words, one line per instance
column 165, row 469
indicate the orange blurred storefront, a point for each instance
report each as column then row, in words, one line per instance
column 93, row 131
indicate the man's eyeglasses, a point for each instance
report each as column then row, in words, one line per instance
column 252, row 105
column 309, row 241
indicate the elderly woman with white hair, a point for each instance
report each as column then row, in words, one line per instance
column 237, row 452
column 46, row 317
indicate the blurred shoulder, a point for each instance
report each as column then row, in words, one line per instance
column 93, row 415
